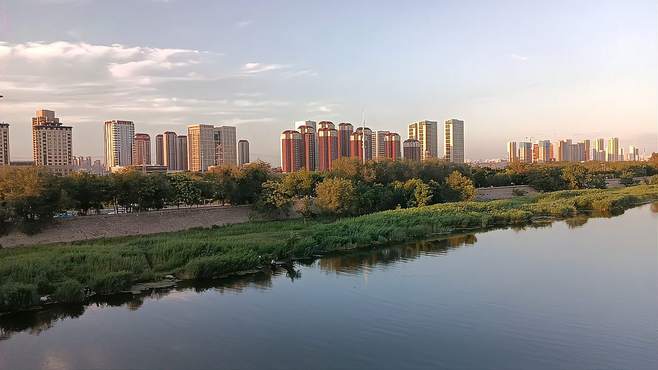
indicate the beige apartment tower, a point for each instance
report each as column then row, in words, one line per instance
column 200, row 147
column 52, row 143
column 4, row 144
column 453, row 147
column 119, row 137
column 426, row 132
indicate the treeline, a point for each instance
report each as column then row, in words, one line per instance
column 31, row 197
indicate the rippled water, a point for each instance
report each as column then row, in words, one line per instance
column 580, row 294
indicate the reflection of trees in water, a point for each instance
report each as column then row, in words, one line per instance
column 577, row 221
column 34, row 322
column 364, row 258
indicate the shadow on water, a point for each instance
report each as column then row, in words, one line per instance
column 37, row 321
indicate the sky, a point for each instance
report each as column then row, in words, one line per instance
column 512, row 70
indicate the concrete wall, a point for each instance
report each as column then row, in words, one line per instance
column 102, row 226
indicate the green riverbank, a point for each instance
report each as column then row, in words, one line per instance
column 70, row 272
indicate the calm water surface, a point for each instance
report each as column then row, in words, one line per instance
column 580, row 294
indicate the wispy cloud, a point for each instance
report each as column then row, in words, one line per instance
column 254, row 67
column 518, row 57
column 244, row 23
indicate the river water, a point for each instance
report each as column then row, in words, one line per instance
column 576, row 294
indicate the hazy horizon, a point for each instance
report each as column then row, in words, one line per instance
column 510, row 70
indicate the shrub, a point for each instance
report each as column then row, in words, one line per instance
column 17, row 296
column 112, row 282
column 69, row 291
column 519, row 192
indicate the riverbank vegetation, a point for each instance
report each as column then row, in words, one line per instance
column 70, row 272
column 31, row 198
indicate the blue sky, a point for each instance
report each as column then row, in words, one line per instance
column 509, row 69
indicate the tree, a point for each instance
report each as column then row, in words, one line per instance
column 459, row 188
column 274, row 200
column 298, row 184
column 546, row 178
column 575, row 176
column 627, row 178
column 335, row 196
column 417, row 193
column 347, row 168
column 249, row 183
column 186, row 189
column 86, row 191
column 30, row 197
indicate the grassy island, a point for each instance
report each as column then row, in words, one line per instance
column 70, row 272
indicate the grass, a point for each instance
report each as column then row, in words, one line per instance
column 112, row 265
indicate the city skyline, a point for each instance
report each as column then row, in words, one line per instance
column 515, row 69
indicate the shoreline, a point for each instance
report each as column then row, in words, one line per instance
column 234, row 251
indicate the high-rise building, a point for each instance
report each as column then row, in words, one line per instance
column 309, row 147
column 512, row 152
column 201, row 147
column 170, row 154
column 525, row 152
column 579, row 152
column 119, row 136
column 243, row 152
column 361, row 144
column 392, row 146
column 291, row 151
column 633, row 153
column 587, row 148
column 4, row 144
column 327, row 147
column 226, row 145
column 141, row 149
column 564, row 150
column 379, row 144
column 344, row 133
column 535, row 152
column 314, row 125
column 412, row 150
column 613, row 150
column 598, row 153
column 426, row 132
column 326, row 124
column 52, row 143
column 181, row 153
column 453, row 148
column 545, row 151
column 159, row 150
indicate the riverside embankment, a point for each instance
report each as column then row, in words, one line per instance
column 111, row 265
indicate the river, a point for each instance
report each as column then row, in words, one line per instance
column 575, row 294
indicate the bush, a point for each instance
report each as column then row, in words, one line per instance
column 112, row 282
column 69, row 291
column 17, row 296
column 519, row 192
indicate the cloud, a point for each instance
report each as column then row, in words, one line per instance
column 244, row 23
column 318, row 107
column 254, row 67
column 518, row 57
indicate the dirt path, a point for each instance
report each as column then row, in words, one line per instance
column 103, row 226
